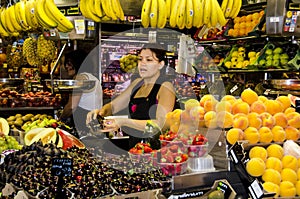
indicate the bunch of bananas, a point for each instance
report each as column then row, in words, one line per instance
column 231, row 8
column 155, row 13
column 49, row 16
column 128, row 62
column 46, row 49
column 29, row 50
column 101, row 10
column 188, row 13
column 27, row 15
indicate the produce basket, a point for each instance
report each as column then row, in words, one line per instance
column 286, row 84
column 69, row 85
column 197, row 151
column 173, row 168
column 11, row 82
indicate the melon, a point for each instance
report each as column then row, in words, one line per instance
column 4, row 126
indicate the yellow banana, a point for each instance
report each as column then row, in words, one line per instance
column 228, row 8
column 236, row 8
column 145, row 14
column 13, row 19
column 86, row 10
column 162, row 16
column 153, row 13
column 224, row 5
column 189, row 14
column 20, row 15
column 173, row 14
column 53, row 12
column 98, row 8
column 3, row 31
column 206, row 12
column 181, row 13
column 168, row 8
column 17, row 13
column 44, row 19
column 107, row 8
column 2, row 19
column 198, row 13
column 118, row 9
column 30, row 14
column 221, row 18
column 8, row 23
column 213, row 16
column 23, row 13
column 91, row 6
column 105, row 18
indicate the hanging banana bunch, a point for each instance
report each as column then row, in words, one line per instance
column 231, row 8
column 102, row 10
column 188, row 13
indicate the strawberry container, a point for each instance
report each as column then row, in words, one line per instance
column 144, row 157
column 197, row 151
column 173, row 145
column 173, row 169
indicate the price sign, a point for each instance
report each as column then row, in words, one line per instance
column 223, row 186
column 62, row 166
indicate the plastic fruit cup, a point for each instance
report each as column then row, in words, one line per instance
column 197, row 151
column 145, row 157
column 173, row 169
column 169, row 144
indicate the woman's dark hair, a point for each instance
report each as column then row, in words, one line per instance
column 161, row 55
column 159, row 51
column 76, row 57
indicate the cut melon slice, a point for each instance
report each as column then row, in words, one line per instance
column 48, row 135
column 4, row 126
column 31, row 134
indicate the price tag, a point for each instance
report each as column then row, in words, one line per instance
column 234, row 88
column 256, row 190
column 225, row 188
column 62, row 166
column 267, row 91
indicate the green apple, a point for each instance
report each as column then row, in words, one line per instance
column 269, row 63
column 276, row 56
column 269, row 57
column 284, row 61
column 262, row 62
column 284, row 56
column 276, row 63
column 269, row 52
column 277, row 50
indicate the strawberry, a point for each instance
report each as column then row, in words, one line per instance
column 170, row 159
column 147, row 149
column 174, row 148
column 184, row 157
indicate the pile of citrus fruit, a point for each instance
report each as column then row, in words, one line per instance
column 280, row 172
column 244, row 24
column 252, row 118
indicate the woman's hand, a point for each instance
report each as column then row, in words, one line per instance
column 111, row 124
column 92, row 115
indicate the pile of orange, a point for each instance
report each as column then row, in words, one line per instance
column 279, row 172
column 245, row 24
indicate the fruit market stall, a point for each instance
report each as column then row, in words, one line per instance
column 243, row 141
